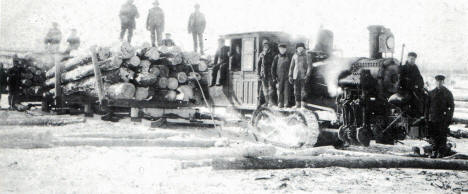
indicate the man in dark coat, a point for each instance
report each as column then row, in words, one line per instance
column 128, row 14
column 412, row 83
column 441, row 108
column 155, row 23
column 3, row 80
column 265, row 61
column 221, row 62
column 196, row 26
column 14, row 79
column 280, row 73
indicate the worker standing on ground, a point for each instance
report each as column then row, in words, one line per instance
column 196, row 26
column 128, row 14
column 3, row 80
column 265, row 61
column 73, row 41
column 441, row 108
column 298, row 73
column 14, row 78
column 53, row 38
column 221, row 64
column 412, row 83
column 280, row 69
column 155, row 23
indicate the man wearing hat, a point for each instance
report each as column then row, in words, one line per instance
column 168, row 40
column 196, row 26
column 280, row 73
column 412, row 82
column 221, row 62
column 155, row 23
column 53, row 38
column 298, row 73
column 128, row 14
column 441, row 107
column 265, row 61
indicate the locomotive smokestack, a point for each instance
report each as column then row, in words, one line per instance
column 374, row 32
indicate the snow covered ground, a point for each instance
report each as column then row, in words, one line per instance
column 122, row 167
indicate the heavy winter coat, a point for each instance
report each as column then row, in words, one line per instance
column 441, row 105
column 197, row 23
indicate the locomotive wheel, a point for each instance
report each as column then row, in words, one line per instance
column 286, row 129
column 342, row 133
column 363, row 136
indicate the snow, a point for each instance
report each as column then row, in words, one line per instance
column 156, row 169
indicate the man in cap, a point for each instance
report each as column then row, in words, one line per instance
column 155, row 23
column 280, row 73
column 265, row 61
column 168, row 40
column 53, row 38
column 412, row 82
column 299, row 71
column 128, row 14
column 441, row 107
column 196, row 26
column 221, row 62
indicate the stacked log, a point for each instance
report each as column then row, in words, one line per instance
column 139, row 73
column 32, row 78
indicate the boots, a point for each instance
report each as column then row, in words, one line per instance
column 298, row 104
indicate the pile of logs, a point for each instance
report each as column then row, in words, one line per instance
column 140, row 73
column 32, row 78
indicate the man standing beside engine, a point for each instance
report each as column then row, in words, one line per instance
column 265, row 61
column 299, row 72
column 128, row 14
column 413, row 83
column 441, row 107
column 280, row 69
column 196, row 26
column 155, row 23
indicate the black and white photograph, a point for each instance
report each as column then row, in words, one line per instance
column 233, row 96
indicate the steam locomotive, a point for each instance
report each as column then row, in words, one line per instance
column 371, row 104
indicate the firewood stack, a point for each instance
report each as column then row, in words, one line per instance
column 141, row 73
column 32, row 78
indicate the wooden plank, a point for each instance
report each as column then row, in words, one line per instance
column 97, row 74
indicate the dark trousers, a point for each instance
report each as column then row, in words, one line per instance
column 438, row 136
column 197, row 40
column 125, row 28
column 283, row 92
column 299, row 90
column 222, row 74
column 156, row 34
column 267, row 89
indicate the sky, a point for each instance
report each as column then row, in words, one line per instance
column 436, row 29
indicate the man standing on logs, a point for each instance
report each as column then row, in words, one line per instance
column 128, row 14
column 73, row 41
column 53, row 38
column 441, row 109
column 196, row 26
column 280, row 70
column 155, row 23
column 265, row 61
column 221, row 62
column 412, row 83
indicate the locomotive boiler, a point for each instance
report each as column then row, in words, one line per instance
column 371, row 105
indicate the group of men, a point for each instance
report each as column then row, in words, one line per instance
column 155, row 24
column 277, row 70
column 54, row 37
column 436, row 107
